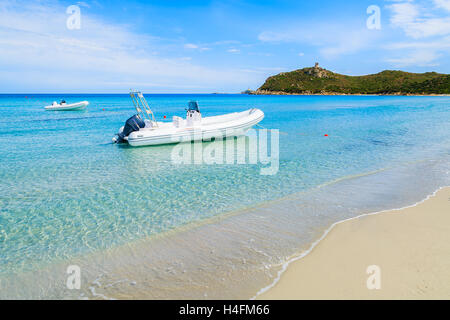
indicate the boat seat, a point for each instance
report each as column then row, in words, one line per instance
column 177, row 121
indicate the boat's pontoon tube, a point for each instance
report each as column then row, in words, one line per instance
column 142, row 128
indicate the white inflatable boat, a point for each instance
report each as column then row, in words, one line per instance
column 65, row 106
column 142, row 129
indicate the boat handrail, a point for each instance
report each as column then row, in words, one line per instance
column 142, row 107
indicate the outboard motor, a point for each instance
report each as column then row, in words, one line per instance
column 132, row 124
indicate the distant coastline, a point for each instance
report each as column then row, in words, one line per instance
column 281, row 93
column 319, row 81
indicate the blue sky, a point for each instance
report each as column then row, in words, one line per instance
column 211, row 46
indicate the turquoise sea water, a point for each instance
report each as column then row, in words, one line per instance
column 68, row 193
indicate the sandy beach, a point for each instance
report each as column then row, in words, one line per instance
column 399, row 254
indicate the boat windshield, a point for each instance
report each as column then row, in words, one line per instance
column 193, row 105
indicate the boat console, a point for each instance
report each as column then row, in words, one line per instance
column 193, row 115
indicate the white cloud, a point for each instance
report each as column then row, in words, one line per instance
column 224, row 42
column 403, row 13
column 421, row 58
column 270, row 36
column 190, row 46
column 424, row 21
column 427, row 23
column 349, row 43
column 424, row 28
column 234, row 50
column 301, row 54
column 197, row 47
column 444, row 4
column 38, row 53
column 83, row 4
column 419, row 53
column 439, row 44
column 344, row 39
column 418, row 21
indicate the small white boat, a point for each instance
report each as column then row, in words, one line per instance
column 142, row 129
column 63, row 106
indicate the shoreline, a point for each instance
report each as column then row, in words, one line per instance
column 282, row 93
column 131, row 270
column 300, row 278
column 123, row 272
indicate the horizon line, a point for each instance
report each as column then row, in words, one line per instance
column 159, row 93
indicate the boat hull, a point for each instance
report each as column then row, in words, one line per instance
column 68, row 107
column 233, row 128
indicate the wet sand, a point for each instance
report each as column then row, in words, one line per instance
column 399, row 254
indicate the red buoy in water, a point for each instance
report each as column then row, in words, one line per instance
column 164, row 117
column 325, row 135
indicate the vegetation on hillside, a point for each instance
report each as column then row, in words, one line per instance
column 317, row 80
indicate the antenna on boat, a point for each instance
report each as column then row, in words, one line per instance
column 142, row 107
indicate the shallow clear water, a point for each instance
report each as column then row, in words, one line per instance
column 67, row 194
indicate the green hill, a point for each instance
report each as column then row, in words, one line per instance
column 317, row 80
